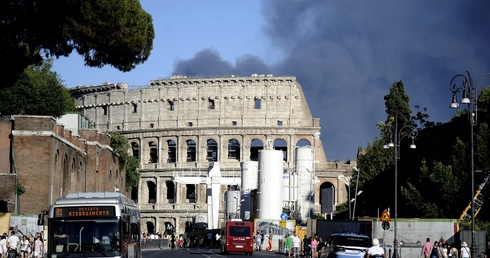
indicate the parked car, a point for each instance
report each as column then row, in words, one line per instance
column 346, row 245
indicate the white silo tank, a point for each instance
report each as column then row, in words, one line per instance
column 304, row 166
column 250, row 175
column 286, row 188
column 245, row 206
column 269, row 189
column 232, row 204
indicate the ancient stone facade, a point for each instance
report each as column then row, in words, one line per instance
column 177, row 126
column 50, row 162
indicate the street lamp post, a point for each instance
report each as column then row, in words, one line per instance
column 469, row 97
column 357, row 193
column 405, row 131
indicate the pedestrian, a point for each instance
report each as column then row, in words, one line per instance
column 465, row 251
column 436, row 252
column 376, row 250
column 258, row 241
column 314, row 246
column 38, row 247
column 288, row 243
column 269, row 241
column 3, row 246
column 13, row 242
column 296, row 245
column 24, row 247
column 427, row 248
column 210, row 239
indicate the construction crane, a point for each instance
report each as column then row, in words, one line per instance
column 477, row 199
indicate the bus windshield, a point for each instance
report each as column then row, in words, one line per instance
column 84, row 237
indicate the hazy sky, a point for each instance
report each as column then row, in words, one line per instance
column 345, row 54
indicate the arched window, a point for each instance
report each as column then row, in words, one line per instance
column 327, row 197
column 212, row 150
column 172, row 151
column 191, row 151
column 136, row 150
column 153, row 152
column 234, row 149
column 255, row 147
column 190, row 193
column 303, row 143
column 152, row 192
column 170, row 191
column 281, row 144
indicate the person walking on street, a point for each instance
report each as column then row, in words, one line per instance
column 13, row 242
column 465, row 251
column 427, row 248
column 269, row 241
column 436, row 252
column 3, row 246
column 38, row 247
column 288, row 243
column 258, row 241
column 296, row 245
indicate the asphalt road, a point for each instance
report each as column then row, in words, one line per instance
column 201, row 252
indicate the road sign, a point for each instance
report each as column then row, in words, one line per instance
column 385, row 217
column 284, row 216
column 385, row 225
column 282, row 223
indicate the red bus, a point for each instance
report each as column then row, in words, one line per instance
column 238, row 237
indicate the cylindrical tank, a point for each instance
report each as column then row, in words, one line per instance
column 232, row 204
column 250, row 175
column 286, row 187
column 245, row 206
column 269, row 189
column 304, row 167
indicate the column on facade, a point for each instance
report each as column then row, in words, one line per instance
column 158, row 200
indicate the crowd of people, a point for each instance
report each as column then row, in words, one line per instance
column 309, row 247
column 24, row 247
column 441, row 249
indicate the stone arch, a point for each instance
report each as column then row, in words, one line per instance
column 169, row 228
column 172, row 151
column 234, row 149
column 303, row 142
column 135, row 148
column 327, row 197
column 191, row 150
column 170, row 191
column 212, row 150
column 255, row 146
column 190, row 193
column 282, row 145
column 150, row 227
column 152, row 192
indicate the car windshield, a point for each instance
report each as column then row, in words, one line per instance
column 349, row 240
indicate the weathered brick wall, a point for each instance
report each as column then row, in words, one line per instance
column 50, row 163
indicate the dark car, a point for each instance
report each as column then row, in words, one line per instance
column 346, row 245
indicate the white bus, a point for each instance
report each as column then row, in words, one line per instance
column 94, row 224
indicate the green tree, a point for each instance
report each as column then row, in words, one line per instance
column 434, row 194
column 396, row 103
column 38, row 91
column 105, row 32
column 120, row 145
column 375, row 164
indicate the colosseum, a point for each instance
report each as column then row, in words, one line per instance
column 178, row 126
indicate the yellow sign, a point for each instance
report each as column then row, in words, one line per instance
column 385, row 217
column 282, row 223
